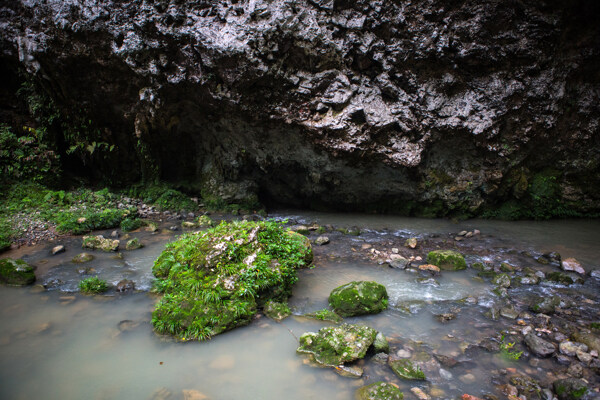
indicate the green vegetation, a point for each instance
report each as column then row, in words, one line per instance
column 131, row 224
column 507, row 350
column 163, row 197
column 325, row 315
column 216, row 280
column 333, row 346
column 379, row 391
column 16, row 272
column 405, row 369
column 277, row 310
column 133, row 244
column 358, row 298
column 93, row 285
column 447, row 260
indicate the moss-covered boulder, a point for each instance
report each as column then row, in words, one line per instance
column 381, row 344
column 545, row 305
column 333, row 346
column 447, row 260
column 99, row 242
column 564, row 278
column 358, row 298
column 82, row 258
column 216, row 280
column 325, row 315
column 16, row 272
column 379, row 391
column 501, row 280
column 204, row 221
column 277, row 310
column 569, row 389
column 405, row 369
column 133, row 244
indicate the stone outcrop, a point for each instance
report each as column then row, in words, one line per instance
column 418, row 107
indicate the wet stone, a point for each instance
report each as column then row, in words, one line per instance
column 572, row 265
column 575, row 370
column 125, row 285
column 571, row 348
column 509, row 312
column 397, row 261
column 82, row 257
column 445, row 317
column 569, row 389
column 411, row 243
column 546, row 305
column 405, row 369
column 539, row 346
column 322, row 240
column 379, row 391
column 58, row 249
column 349, row 371
column 420, row 394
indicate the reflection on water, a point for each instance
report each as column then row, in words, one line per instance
column 61, row 345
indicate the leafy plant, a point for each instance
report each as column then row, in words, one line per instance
column 93, row 285
column 131, row 224
column 507, row 350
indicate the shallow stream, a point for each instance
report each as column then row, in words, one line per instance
column 59, row 344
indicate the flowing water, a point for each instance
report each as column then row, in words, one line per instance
column 59, row 344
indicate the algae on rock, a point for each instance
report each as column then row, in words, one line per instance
column 16, row 272
column 447, row 259
column 379, row 391
column 276, row 310
column 358, row 298
column 100, row 242
column 333, row 346
column 216, row 280
column 406, row 369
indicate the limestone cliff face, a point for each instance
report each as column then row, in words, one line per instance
column 426, row 107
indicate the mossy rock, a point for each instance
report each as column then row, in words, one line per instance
column 133, row 244
column 502, row 280
column 359, row 298
column 447, row 260
column 564, row 278
column 16, row 272
column 131, row 224
column 325, row 315
column 303, row 244
column 545, row 305
column 217, row 279
column 381, row 344
column 379, row 391
column 333, row 346
column 405, row 369
column 101, row 243
column 277, row 311
column 570, row 388
column 189, row 225
column 93, row 285
column 204, row 221
column 82, row 258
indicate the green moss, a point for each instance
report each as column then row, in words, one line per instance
column 78, row 222
column 131, row 224
column 502, row 280
column 358, row 298
column 563, row 278
column 82, row 258
column 333, row 346
column 16, row 272
column 133, row 244
column 163, row 197
column 216, row 280
column 447, row 260
column 595, row 325
column 277, row 310
column 379, row 391
column 99, row 242
column 569, row 388
column 325, row 315
column 204, row 221
column 93, row 285
column 405, row 369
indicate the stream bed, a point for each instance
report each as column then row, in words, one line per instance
column 59, row 344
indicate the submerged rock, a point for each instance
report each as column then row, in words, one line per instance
column 349, row 371
column 564, row 278
column 405, row 369
column 570, row 388
column 82, row 258
column 101, row 243
column 539, row 346
column 325, row 315
column 502, row 280
column 590, row 339
column 216, row 280
column 381, row 344
column 16, row 272
column 546, row 305
column 379, row 391
column 333, row 346
column 571, row 348
column 358, row 298
column 133, row 244
column 125, row 285
column 447, row 259
column 277, row 310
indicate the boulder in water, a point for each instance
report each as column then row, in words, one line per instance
column 277, row 310
column 572, row 265
column 16, row 272
column 539, row 346
column 134, row 244
column 570, row 388
column 546, row 305
column 358, row 298
column 82, row 257
column 101, row 243
column 405, row 369
column 447, row 259
column 333, row 346
column 379, row 391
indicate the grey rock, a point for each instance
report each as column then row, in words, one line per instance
column 322, row 240
column 571, row 348
column 398, row 262
column 539, row 346
column 58, row 249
